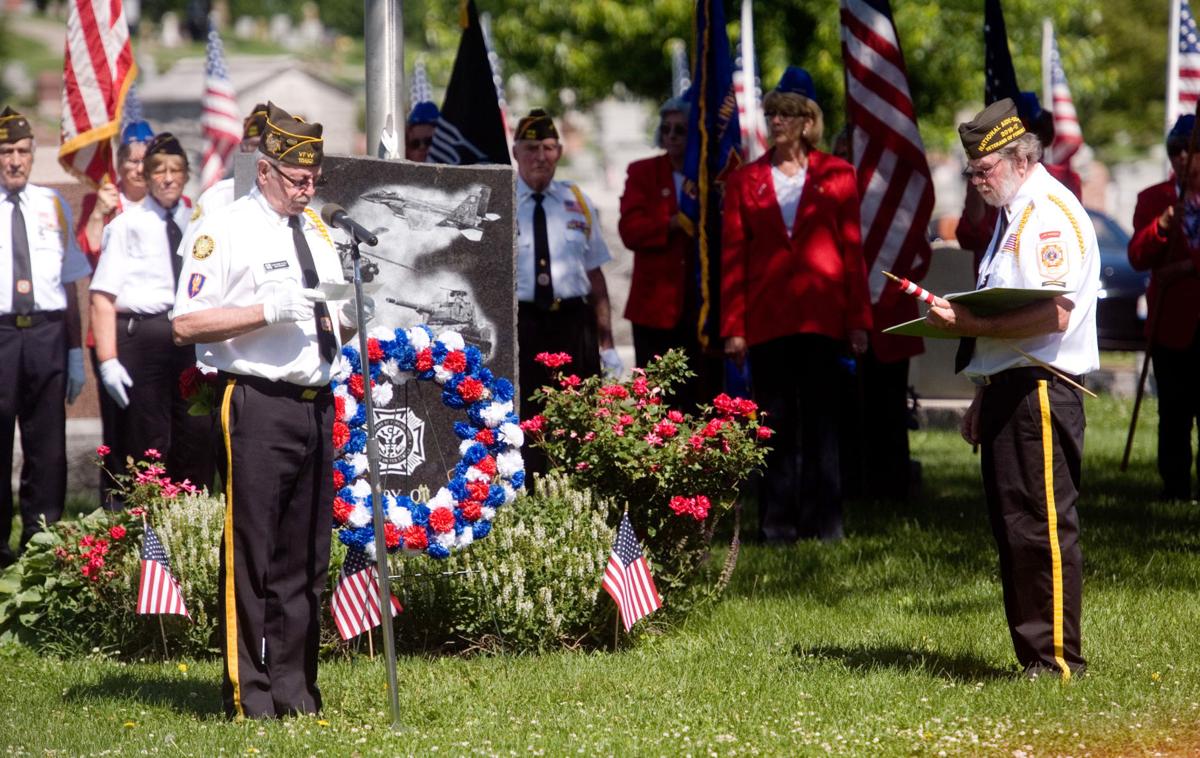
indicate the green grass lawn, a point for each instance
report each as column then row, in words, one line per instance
column 892, row 642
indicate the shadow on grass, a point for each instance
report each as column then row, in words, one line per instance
column 195, row 698
column 863, row 658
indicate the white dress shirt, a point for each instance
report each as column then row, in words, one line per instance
column 217, row 196
column 1048, row 243
column 787, row 193
column 54, row 257
column 576, row 245
column 233, row 258
column 135, row 265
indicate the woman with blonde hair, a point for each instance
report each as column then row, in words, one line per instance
column 793, row 298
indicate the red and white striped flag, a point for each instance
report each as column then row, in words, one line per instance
column 98, row 70
column 158, row 592
column 1183, row 63
column 1068, row 137
column 220, row 121
column 356, row 596
column 627, row 578
column 894, row 184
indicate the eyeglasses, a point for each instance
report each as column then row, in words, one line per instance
column 673, row 130
column 418, row 143
column 980, row 173
column 772, row 114
column 307, row 181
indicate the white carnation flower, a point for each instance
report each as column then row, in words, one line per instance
column 443, row 499
column 381, row 394
column 452, row 340
column 494, row 414
column 446, row 539
column 351, row 405
column 509, row 494
column 418, row 338
column 359, row 462
column 466, row 538
column 391, row 369
column 341, row 368
column 361, row 488
column 382, row 333
column 442, row 375
column 475, row 475
column 369, row 549
column 401, row 516
column 487, row 513
column 464, row 446
column 509, row 463
column 512, row 434
column 359, row 516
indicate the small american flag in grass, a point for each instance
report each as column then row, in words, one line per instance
column 627, row 578
column 158, row 592
column 356, row 597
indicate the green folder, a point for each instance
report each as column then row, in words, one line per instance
column 985, row 302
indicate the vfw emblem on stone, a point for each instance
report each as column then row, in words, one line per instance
column 400, row 435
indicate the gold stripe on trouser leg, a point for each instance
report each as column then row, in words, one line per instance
column 1052, row 526
column 231, row 633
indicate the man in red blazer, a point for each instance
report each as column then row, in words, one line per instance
column 793, row 294
column 1168, row 245
column 662, row 299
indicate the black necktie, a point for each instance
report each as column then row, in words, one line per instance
column 325, row 340
column 174, row 237
column 543, row 285
column 966, row 345
column 22, row 269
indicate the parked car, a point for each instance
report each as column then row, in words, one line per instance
column 1121, row 310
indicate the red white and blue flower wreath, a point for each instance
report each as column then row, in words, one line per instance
column 488, row 474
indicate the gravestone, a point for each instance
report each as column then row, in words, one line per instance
column 446, row 259
column 171, row 35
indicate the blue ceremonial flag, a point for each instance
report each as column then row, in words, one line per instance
column 1000, row 79
column 714, row 150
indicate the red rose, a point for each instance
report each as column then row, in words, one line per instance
column 415, row 538
column 533, row 424
column 425, row 359
column 391, row 535
column 614, row 390
column 765, row 432
column 472, row 510
column 103, row 450
column 641, row 387
column 553, row 360
column 746, row 406
column 374, row 350
column 487, row 465
column 570, row 381
column 441, row 520
column 189, row 382
column 116, row 532
column 680, row 505
column 341, row 510
column 487, row 437
column 455, row 361
column 665, row 429
column 356, row 386
column 675, row 416
column 341, row 434
column 470, row 389
column 725, row 404
column 700, row 510
column 696, row 441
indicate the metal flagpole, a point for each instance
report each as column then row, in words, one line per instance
column 1047, row 74
column 749, row 80
column 1172, row 109
column 386, row 116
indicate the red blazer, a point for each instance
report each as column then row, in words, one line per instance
column 816, row 281
column 1179, row 312
column 659, row 255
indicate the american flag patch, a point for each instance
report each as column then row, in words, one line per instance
column 571, row 205
column 1010, row 244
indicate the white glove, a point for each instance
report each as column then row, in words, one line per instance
column 349, row 312
column 610, row 363
column 289, row 302
column 75, row 375
column 115, row 379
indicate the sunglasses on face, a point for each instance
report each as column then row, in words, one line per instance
column 676, row 130
column 307, row 181
column 980, row 173
column 418, row 143
column 772, row 114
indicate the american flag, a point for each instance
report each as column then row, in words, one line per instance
column 1187, row 65
column 220, row 120
column 894, row 184
column 356, row 597
column 98, row 70
column 627, row 578
column 158, row 592
column 1067, row 135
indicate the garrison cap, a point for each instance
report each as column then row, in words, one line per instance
column 255, row 123
column 290, row 139
column 423, row 112
column 798, row 82
column 537, row 126
column 136, row 131
column 164, row 143
column 991, row 129
column 13, row 126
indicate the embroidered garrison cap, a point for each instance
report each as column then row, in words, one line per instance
column 537, row 126
column 991, row 129
column 164, row 143
column 798, row 82
column 290, row 139
column 136, row 131
column 255, row 123
column 13, row 126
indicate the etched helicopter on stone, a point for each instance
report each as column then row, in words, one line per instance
column 421, row 215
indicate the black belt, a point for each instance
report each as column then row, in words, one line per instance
column 24, row 321
column 141, row 316
column 273, row 388
column 1028, row 375
column 558, row 304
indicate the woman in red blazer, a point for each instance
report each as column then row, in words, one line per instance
column 793, row 294
column 661, row 306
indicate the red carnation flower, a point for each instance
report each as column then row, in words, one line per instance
column 356, row 386
column 487, row 437
column 470, row 389
column 415, row 538
column 116, row 532
column 553, row 360
column 189, row 382
column 441, row 520
column 455, row 361
column 472, row 510
column 487, row 465
column 341, row 434
column 765, row 432
column 477, row 490
column 341, row 510
column 339, row 407
column 425, row 359
column 374, row 350
column 339, row 479
column 391, row 535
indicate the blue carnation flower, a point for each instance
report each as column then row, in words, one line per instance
column 464, row 431
column 357, row 538
column 439, row 352
column 518, row 480
column 474, row 358
column 486, row 376
column 495, row 497
column 420, row 514
column 436, row 550
column 458, row 488
column 346, row 494
column 344, row 466
column 475, row 453
column 357, row 442
column 360, row 416
column 503, row 390
column 481, row 528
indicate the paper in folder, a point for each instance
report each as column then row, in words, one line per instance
column 985, row 302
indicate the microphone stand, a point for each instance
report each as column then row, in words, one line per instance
column 381, row 561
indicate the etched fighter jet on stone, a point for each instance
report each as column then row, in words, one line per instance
column 421, row 215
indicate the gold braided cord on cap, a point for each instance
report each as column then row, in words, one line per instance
column 1021, row 230
column 1062, row 206
column 10, row 117
column 303, row 139
column 312, row 216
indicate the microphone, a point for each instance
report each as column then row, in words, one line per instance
column 335, row 215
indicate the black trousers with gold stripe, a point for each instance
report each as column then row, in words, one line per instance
column 277, row 462
column 1032, row 447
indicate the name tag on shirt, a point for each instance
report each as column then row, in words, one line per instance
column 275, row 265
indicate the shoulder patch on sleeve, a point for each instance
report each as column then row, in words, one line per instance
column 203, row 247
column 197, row 212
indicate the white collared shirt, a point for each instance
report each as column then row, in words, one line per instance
column 1048, row 243
column 233, row 258
column 54, row 257
column 217, row 196
column 787, row 193
column 576, row 245
column 135, row 265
